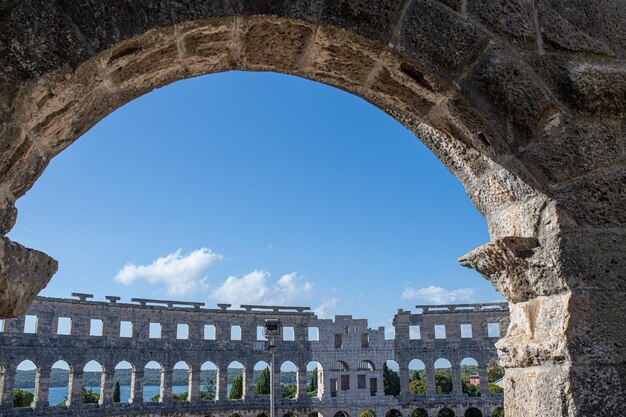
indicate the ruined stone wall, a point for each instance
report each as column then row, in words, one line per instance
column 350, row 356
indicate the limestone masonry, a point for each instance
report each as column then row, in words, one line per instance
column 350, row 356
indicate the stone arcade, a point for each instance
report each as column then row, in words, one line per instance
column 350, row 356
column 523, row 100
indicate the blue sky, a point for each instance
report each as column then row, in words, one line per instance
column 255, row 188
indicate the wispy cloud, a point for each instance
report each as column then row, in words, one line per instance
column 438, row 295
column 327, row 308
column 180, row 274
column 256, row 288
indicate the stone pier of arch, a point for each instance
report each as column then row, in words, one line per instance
column 343, row 340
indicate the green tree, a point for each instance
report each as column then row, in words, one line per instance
column 498, row 412
column 208, row 392
column 288, row 391
column 236, row 391
column 417, row 387
column 391, row 381
column 419, row 412
column 155, row 398
column 312, row 387
column 494, row 389
column 263, row 386
column 443, row 382
column 22, row 398
column 366, row 413
column 116, row 392
column 470, row 389
column 494, row 373
column 89, row 397
column 445, row 412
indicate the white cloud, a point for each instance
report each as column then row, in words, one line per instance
column 180, row 274
column 438, row 295
column 254, row 288
column 327, row 308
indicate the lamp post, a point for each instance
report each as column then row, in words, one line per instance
column 272, row 329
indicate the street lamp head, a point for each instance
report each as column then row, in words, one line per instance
column 272, row 328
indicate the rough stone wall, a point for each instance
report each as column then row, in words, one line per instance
column 523, row 100
column 358, row 343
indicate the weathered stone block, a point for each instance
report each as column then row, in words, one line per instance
column 296, row 9
column 512, row 18
column 598, row 90
column 439, row 38
column 23, row 273
column 376, row 20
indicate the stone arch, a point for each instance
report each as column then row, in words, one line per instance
column 444, row 381
column 124, row 371
column 417, row 377
column 391, row 378
column 446, row 412
column 289, row 390
column 28, row 365
column 514, row 124
column 473, row 412
column 366, row 365
column 339, row 366
column 497, row 412
column 419, row 412
column 367, row 413
column 186, row 366
column 470, row 377
column 96, row 391
column 393, row 413
column 262, row 387
column 62, row 369
column 209, row 377
column 315, row 379
column 315, row 414
column 341, row 413
column 152, row 370
column 289, row 414
column 236, row 378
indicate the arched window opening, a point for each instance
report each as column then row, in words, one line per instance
column 263, row 414
column 261, row 379
column 497, row 412
column 235, row 380
column 314, row 379
column 470, row 379
column 393, row 413
column 495, row 377
column 366, row 366
column 443, row 377
column 234, row 415
column 93, row 383
column 391, row 378
column 289, row 414
column 419, row 412
column 445, row 412
column 417, row 377
column 153, row 378
column 181, row 381
column 209, row 374
column 26, row 383
column 339, row 366
column 473, row 412
column 123, row 382
column 315, row 414
column 288, row 380
column 367, row 413
column 341, row 414
column 59, row 390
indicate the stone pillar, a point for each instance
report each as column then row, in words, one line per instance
column 457, row 385
column 301, row 381
column 136, row 386
column 222, row 383
column 403, row 374
column 430, row 378
column 106, row 387
column 166, row 385
column 380, row 385
column 75, row 388
column 194, row 384
column 42, row 385
column 6, row 393
column 484, row 382
column 248, row 382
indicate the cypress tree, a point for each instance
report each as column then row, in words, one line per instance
column 116, row 392
column 236, row 391
column 263, row 386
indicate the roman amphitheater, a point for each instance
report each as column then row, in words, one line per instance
column 349, row 356
column 523, row 100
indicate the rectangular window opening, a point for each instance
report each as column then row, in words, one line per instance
column 345, row 382
column 493, row 329
column 365, row 340
column 30, row 324
column 440, row 331
column 289, row 334
column 338, row 341
column 361, row 381
column 209, row 332
column 95, row 327
column 1, row 325
column 235, row 332
column 415, row 333
column 64, row 326
column 259, row 333
column 155, row 331
column 126, row 329
column 466, row 331
column 313, row 334
column 182, row 331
